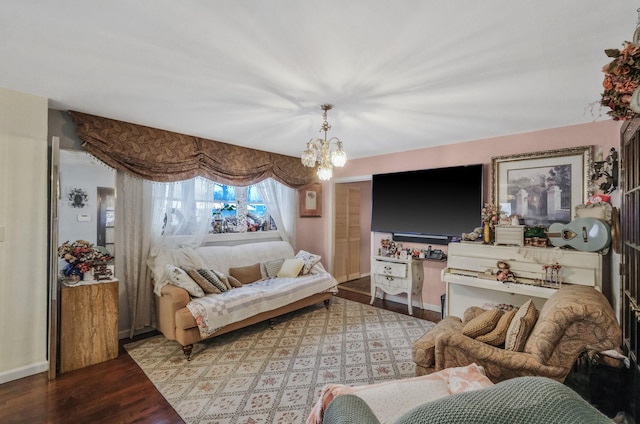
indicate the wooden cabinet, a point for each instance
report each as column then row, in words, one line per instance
column 88, row 324
column 395, row 276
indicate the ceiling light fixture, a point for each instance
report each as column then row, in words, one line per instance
column 319, row 151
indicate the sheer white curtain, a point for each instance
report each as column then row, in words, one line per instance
column 280, row 201
column 133, row 241
column 182, row 214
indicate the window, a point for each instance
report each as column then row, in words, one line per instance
column 238, row 210
column 201, row 206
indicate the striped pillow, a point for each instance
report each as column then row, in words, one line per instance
column 206, row 286
column 213, row 279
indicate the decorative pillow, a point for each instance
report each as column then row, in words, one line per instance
column 228, row 280
column 309, row 260
column 180, row 278
column 206, row 286
column 234, row 282
column 291, row 268
column 521, row 326
column 246, row 274
column 482, row 324
column 471, row 312
column 223, row 278
column 498, row 335
column 272, row 267
column 213, row 279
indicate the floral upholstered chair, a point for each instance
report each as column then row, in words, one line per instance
column 523, row 343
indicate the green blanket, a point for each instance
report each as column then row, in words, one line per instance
column 523, row 400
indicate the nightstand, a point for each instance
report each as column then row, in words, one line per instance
column 395, row 276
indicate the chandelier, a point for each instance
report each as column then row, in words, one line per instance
column 319, row 151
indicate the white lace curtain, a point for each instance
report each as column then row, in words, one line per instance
column 182, row 214
column 280, row 201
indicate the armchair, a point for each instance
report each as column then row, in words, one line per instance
column 574, row 319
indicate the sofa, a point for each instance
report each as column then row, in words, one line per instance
column 257, row 287
column 523, row 342
column 523, row 400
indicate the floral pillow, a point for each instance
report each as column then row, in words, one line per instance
column 309, row 260
column 180, row 278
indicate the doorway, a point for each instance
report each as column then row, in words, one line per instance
column 106, row 216
column 351, row 229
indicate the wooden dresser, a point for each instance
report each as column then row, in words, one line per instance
column 88, row 324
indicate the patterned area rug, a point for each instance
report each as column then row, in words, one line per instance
column 264, row 375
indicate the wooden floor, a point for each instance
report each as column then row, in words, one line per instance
column 115, row 391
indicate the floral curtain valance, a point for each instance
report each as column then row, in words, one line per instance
column 165, row 156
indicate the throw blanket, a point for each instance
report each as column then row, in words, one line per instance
column 213, row 312
column 390, row 399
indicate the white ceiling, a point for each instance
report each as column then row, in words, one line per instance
column 401, row 74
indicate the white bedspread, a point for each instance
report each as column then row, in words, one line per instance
column 213, row 312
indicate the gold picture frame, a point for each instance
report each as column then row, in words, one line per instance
column 311, row 201
column 542, row 187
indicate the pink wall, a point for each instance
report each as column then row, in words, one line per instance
column 313, row 234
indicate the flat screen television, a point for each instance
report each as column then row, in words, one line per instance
column 430, row 205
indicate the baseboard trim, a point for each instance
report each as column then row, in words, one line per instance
column 403, row 299
column 24, row 371
column 124, row 334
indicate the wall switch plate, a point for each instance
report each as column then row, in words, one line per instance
column 83, row 217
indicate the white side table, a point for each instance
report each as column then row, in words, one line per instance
column 395, row 276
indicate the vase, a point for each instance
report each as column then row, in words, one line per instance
column 74, row 278
column 486, row 234
column 88, row 276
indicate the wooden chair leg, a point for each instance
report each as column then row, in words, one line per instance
column 187, row 351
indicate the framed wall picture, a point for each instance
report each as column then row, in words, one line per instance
column 311, row 201
column 542, row 187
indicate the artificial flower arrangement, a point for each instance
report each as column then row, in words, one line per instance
column 82, row 256
column 621, row 80
column 490, row 215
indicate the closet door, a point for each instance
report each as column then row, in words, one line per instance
column 630, row 256
column 346, row 233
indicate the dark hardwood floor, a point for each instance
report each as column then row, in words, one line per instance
column 116, row 391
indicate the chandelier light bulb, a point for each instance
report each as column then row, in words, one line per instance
column 325, row 172
column 309, row 156
column 339, row 157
